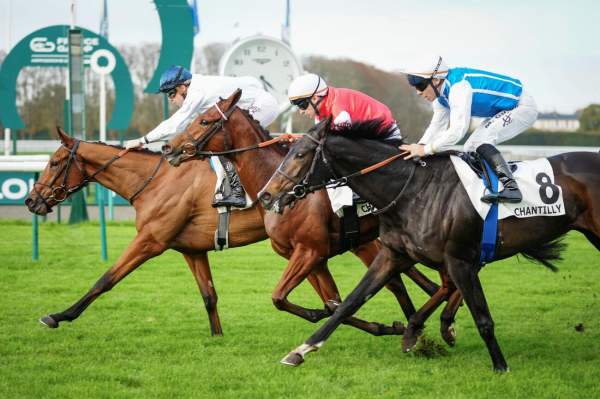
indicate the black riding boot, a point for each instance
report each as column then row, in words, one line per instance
column 237, row 198
column 511, row 192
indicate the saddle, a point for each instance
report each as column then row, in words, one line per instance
column 474, row 162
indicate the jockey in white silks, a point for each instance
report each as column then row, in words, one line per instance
column 457, row 95
column 315, row 99
column 194, row 94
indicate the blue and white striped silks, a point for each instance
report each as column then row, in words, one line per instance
column 492, row 92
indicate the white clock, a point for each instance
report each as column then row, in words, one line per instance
column 268, row 59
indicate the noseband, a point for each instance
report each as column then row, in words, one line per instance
column 301, row 187
column 62, row 192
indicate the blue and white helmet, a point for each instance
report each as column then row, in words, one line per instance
column 174, row 76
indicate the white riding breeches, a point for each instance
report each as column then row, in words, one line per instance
column 264, row 108
column 504, row 125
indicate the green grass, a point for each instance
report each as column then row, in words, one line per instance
column 149, row 336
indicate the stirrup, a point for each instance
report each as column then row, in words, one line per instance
column 507, row 196
column 230, row 201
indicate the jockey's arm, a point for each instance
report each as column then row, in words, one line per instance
column 178, row 121
column 460, row 100
column 438, row 124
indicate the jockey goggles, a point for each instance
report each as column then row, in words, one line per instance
column 418, row 82
column 301, row 103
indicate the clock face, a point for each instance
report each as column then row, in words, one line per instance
column 269, row 60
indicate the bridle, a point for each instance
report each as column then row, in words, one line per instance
column 61, row 193
column 193, row 147
column 302, row 188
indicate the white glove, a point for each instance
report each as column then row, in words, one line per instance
column 134, row 143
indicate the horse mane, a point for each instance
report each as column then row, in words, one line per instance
column 264, row 133
column 369, row 129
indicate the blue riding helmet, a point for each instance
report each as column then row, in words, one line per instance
column 174, row 76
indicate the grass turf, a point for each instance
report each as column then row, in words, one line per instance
column 149, row 336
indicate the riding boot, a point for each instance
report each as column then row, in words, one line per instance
column 237, row 197
column 510, row 193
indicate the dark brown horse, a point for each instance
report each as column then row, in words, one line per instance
column 429, row 218
column 173, row 211
column 306, row 235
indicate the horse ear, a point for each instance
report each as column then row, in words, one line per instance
column 64, row 137
column 235, row 97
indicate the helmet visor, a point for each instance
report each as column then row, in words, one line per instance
column 418, row 82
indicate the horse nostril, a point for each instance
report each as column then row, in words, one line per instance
column 28, row 201
column 167, row 149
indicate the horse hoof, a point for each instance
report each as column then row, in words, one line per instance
column 449, row 335
column 49, row 321
column 292, row 359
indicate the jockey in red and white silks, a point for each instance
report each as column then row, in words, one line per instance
column 314, row 98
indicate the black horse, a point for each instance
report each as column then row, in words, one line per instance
column 428, row 218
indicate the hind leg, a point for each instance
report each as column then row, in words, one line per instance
column 447, row 317
column 417, row 321
column 593, row 238
column 200, row 268
column 467, row 281
column 142, row 248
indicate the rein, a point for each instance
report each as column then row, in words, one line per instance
column 194, row 146
column 300, row 190
column 62, row 192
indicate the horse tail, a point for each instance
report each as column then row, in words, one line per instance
column 546, row 253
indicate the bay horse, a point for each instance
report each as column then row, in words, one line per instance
column 429, row 218
column 307, row 235
column 172, row 211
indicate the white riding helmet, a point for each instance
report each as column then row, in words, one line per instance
column 306, row 86
column 429, row 67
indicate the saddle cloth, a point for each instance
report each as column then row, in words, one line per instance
column 220, row 172
column 343, row 196
column 541, row 197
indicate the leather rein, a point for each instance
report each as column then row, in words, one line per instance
column 301, row 188
column 61, row 193
column 193, row 147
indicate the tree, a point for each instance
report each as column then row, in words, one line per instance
column 589, row 118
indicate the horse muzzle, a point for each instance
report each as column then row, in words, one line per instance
column 37, row 206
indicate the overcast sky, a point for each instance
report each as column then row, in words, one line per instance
column 552, row 46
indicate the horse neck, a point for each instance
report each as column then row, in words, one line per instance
column 125, row 175
column 347, row 156
column 255, row 167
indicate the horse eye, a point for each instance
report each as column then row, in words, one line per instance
column 300, row 155
column 53, row 163
column 204, row 122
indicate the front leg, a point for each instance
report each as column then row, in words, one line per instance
column 142, row 248
column 387, row 264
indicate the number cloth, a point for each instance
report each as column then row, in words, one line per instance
column 541, row 196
